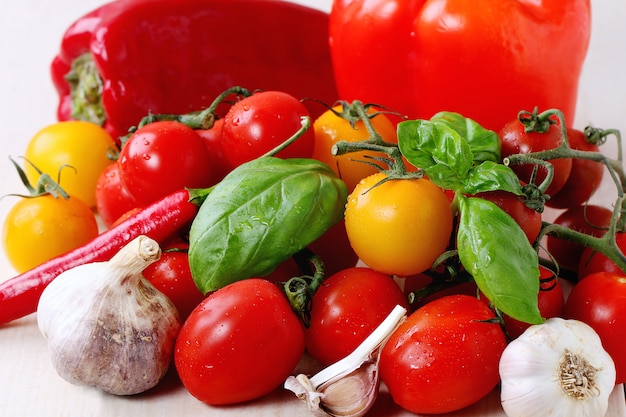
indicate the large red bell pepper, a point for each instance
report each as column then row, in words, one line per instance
column 174, row 56
column 485, row 59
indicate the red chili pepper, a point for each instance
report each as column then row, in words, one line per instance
column 176, row 56
column 161, row 221
column 486, row 60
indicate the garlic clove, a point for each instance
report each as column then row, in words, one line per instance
column 107, row 326
column 350, row 386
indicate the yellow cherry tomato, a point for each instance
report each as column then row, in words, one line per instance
column 400, row 226
column 82, row 145
column 40, row 228
column 330, row 129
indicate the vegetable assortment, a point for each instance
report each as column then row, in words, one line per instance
column 256, row 204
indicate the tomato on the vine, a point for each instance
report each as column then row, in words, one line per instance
column 81, row 149
column 112, row 197
column 515, row 140
column 346, row 308
column 398, row 227
column 528, row 219
column 240, row 343
column 213, row 141
column 40, row 228
column 331, row 128
column 592, row 261
column 163, row 157
column 589, row 219
column 600, row 301
column 259, row 123
column 444, row 357
column 584, row 178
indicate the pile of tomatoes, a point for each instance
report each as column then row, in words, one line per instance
column 243, row 340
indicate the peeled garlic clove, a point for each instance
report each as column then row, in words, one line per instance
column 350, row 386
column 107, row 326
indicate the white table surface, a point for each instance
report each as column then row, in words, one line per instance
column 30, row 32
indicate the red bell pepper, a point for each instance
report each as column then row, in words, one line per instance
column 486, row 60
column 136, row 57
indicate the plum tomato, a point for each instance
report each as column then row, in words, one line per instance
column 162, row 157
column 515, row 140
column 584, row 178
column 83, row 147
column 172, row 276
column 259, row 123
column 444, row 357
column 589, row 219
column 38, row 229
column 331, row 128
column 600, row 301
column 346, row 308
column 528, row 219
column 240, row 343
column 112, row 198
column 550, row 301
column 399, row 227
column 592, row 261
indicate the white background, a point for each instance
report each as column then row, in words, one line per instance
column 30, row 32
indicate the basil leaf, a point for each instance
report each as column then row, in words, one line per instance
column 495, row 251
column 490, row 176
column 259, row 215
column 485, row 144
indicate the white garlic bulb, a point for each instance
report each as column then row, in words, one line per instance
column 107, row 326
column 349, row 387
column 558, row 368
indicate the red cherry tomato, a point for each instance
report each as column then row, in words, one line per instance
column 528, row 219
column 444, row 357
column 516, row 140
column 550, row 302
column 259, row 123
column 213, row 140
column 590, row 219
column 239, row 344
column 334, row 249
column 112, row 198
column 592, row 261
column 162, row 157
column 584, row 178
column 600, row 301
column 347, row 308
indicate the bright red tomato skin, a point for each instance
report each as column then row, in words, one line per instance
column 259, row 123
column 528, row 219
column 347, row 308
column 239, row 344
column 600, row 301
column 584, row 178
column 590, row 219
column 444, row 356
column 163, row 157
column 515, row 140
column 213, row 140
column 112, row 198
column 171, row 275
column 591, row 261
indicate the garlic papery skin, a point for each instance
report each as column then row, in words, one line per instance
column 350, row 386
column 107, row 326
column 558, row 368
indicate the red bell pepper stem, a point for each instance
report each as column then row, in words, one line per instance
column 162, row 220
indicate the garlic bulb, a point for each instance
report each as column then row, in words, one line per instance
column 558, row 368
column 348, row 387
column 107, row 326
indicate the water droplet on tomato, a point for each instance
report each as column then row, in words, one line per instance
column 146, row 156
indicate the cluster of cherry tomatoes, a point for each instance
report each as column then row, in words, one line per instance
column 247, row 332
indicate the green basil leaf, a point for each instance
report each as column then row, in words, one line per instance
column 490, row 176
column 485, row 144
column 495, row 251
column 259, row 215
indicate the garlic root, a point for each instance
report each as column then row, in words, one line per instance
column 107, row 326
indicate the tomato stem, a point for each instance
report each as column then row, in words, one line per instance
column 300, row 290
